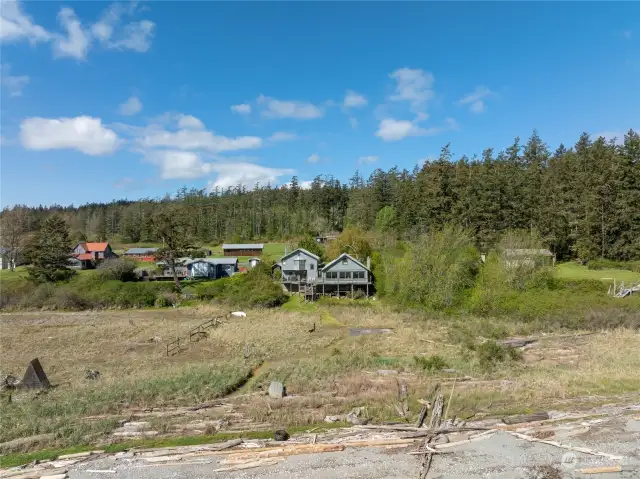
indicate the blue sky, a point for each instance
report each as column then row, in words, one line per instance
column 105, row 101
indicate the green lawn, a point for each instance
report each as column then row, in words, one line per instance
column 573, row 270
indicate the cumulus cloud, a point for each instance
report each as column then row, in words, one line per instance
column 82, row 133
column 476, row 99
column 282, row 136
column 353, row 122
column 130, row 107
column 189, row 122
column 13, row 85
column 618, row 136
column 315, row 158
column 76, row 40
column 245, row 174
column 15, row 25
column 273, row 108
column 391, row 129
column 176, row 164
column 242, row 109
column 354, row 100
column 367, row 159
column 197, row 140
column 414, row 86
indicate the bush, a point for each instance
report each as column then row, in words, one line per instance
column 431, row 363
column 253, row 289
column 67, row 298
column 166, row 299
column 121, row 269
column 435, row 271
column 490, row 353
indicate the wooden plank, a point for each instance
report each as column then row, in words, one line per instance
column 600, row 470
column 583, row 450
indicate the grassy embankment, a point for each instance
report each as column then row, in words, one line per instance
column 327, row 371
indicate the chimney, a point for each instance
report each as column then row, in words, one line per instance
column 368, row 263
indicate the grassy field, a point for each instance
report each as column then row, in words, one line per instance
column 327, row 371
column 575, row 271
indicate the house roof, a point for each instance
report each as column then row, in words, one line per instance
column 227, row 260
column 243, row 246
column 97, row 246
column 331, row 263
column 141, row 250
column 84, row 256
column 309, row 253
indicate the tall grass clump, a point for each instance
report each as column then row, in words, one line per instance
column 435, row 270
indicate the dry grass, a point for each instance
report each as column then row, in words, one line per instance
column 326, row 371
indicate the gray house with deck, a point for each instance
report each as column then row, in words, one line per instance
column 303, row 272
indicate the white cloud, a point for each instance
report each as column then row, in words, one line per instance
column 136, row 36
column 189, row 122
column 367, row 159
column 273, row 108
column 391, row 129
column 315, row 158
column 13, row 84
column 475, row 100
column 394, row 130
column 414, row 86
column 130, row 107
column 245, row 174
column 282, row 136
column 354, row 100
column 354, row 122
column 77, row 41
column 611, row 135
column 82, row 133
column 186, row 139
column 15, row 25
column 242, row 109
column 176, row 164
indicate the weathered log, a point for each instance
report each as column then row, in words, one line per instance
column 584, row 450
column 516, row 342
column 446, row 430
column 521, row 418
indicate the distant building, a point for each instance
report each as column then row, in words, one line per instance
column 326, row 237
column 303, row 272
column 141, row 254
column 87, row 255
column 253, row 262
column 528, row 257
column 9, row 260
column 199, row 268
column 242, row 249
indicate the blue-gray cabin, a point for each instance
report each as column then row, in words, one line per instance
column 212, row 268
column 299, row 266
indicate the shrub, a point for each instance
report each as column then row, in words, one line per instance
column 67, row 298
column 435, row 271
column 121, row 269
column 490, row 353
column 166, row 299
column 431, row 363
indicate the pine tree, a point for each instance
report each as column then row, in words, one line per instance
column 49, row 252
column 171, row 227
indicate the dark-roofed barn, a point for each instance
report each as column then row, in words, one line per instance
column 242, row 249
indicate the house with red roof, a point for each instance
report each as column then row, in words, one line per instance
column 87, row 255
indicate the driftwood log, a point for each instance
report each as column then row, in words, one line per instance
column 538, row 416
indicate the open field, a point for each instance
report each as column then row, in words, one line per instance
column 327, row 371
column 576, row 271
